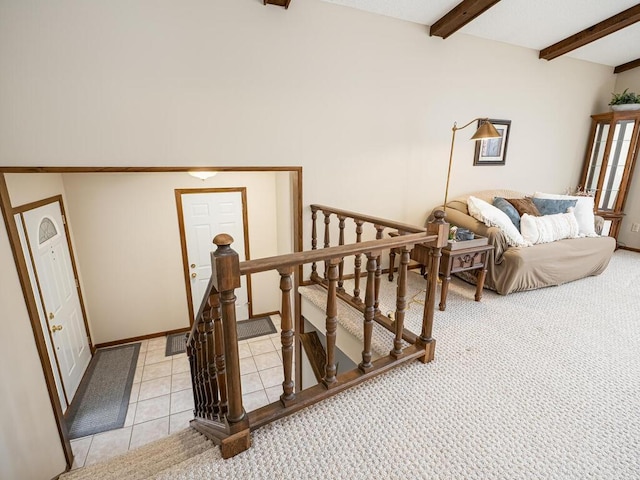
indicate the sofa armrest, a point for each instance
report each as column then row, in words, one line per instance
column 494, row 234
column 598, row 223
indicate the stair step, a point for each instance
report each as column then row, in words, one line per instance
column 148, row 460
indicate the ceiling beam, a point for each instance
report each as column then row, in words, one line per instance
column 281, row 3
column 459, row 16
column 627, row 66
column 595, row 32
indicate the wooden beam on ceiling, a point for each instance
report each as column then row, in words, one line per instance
column 459, row 16
column 595, row 32
column 281, row 3
column 627, row 66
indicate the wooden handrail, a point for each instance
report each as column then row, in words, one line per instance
column 301, row 258
column 403, row 227
column 212, row 344
column 203, row 305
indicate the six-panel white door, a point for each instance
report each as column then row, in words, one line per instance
column 206, row 215
column 52, row 261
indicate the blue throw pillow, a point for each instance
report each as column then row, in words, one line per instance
column 501, row 204
column 547, row 206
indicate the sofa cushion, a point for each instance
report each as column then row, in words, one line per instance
column 511, row 212
column 549, row 228
column 549, row 206
column 524, row 205
column 492, row 216
column 583, row 211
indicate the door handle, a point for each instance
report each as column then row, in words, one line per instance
column 56, row 328
column 193, row 265
column 194, row 275
column 51, row 316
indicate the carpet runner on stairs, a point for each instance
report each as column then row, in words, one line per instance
column 147, row 461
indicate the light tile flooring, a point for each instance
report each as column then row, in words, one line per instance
column 161, row 399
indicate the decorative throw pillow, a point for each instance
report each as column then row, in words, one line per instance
column 549, row 228
column 583, row 211
column 493, row 217
column 511, row 212
column 549, row 206
column 524, row 205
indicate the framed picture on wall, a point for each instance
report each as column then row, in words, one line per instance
column 493, row 151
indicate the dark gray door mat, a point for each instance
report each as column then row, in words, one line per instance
column 176, row 343
column 254, row 327
column 102, row 399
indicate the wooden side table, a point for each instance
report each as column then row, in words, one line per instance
column 452, row 261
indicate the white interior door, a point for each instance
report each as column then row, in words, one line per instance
column 47, row 240
column 205, row 215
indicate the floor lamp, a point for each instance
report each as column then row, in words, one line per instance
column 485, row 130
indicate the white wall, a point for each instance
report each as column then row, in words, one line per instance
column 631, row 80
column 128, row 245
column 364, row 103
column 30, row 187
column 30, row 447
column 284, row 211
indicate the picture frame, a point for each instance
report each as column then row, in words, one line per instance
column 493, row 151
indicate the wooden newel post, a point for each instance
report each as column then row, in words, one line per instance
column 440, row 228
column 225, row 265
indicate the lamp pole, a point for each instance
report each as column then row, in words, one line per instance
column 485, row 130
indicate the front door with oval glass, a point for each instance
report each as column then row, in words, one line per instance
column 49, row 248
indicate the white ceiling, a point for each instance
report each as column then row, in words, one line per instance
column 534, row 24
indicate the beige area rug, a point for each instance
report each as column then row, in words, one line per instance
column 541, row 384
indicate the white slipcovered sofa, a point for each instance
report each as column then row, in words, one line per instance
column 513, row 268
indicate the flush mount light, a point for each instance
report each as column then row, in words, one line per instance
column 202, row 175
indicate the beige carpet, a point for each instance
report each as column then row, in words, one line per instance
column 541, row 384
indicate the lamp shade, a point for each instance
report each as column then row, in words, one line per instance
column 486, row 130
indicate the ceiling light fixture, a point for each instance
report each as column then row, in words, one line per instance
column 202, row 175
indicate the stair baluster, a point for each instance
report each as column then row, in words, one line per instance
column 327, row 241
column 218, row 347
column 379, row 234
column 369, row 310
column 286, row 336
column 202, row 365
column 401, row 302
column 210, row 381
column 341, row 219
column 332, row 323
column 314, row 239
column 358, row 263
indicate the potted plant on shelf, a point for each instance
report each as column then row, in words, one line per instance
column 625, row 101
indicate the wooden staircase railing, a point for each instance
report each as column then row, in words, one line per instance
column 212, row 344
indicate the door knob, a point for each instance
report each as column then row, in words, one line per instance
column 193, row 265
column 194, row 275
column 56, row 328
column 51, row 316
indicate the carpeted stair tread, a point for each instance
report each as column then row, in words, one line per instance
column 351, row 319
column 147, row 461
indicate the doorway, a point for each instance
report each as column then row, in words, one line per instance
column 293, row 198
column 202, row 214
column 48, row 252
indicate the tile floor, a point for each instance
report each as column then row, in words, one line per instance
column 161, row 399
